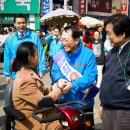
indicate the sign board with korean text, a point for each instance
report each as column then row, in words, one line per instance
column 19, row 6
column 124, row 7
column 45, row 6
column 5, row 18
column 100, row 7
column 121, row 6
column 82, row 7
column 60, row 4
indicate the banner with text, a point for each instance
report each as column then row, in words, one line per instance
column 121, row 6
column 82, row 6
column 19, row 6
column 45, row 6
column 100, row 7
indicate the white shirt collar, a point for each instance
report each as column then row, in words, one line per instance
column 20, row 33
column 121, row 47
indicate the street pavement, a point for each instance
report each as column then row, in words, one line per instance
column 47, row 83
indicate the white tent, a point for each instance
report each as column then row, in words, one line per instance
column 89, row 20
column 60, row 16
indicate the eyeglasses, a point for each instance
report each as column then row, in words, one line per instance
column 65, row 40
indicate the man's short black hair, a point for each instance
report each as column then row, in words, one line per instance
column 75, row 31
column 120, row 22
column 19, row 16
column 57, row 27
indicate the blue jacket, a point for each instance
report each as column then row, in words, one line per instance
column 83, row 60
column 54, row 43
column 11, row 45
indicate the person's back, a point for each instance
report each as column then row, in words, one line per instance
column 87, row 37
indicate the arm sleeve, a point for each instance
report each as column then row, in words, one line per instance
column 30, row 92
column 42, row 62
column 48, row 39
column 56, row 73
column 7, row 58
column 88, row 77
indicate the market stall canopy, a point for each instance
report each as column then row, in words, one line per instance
column 84, row 21
column 59, row 16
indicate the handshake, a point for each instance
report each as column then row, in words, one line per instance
column 64, row 86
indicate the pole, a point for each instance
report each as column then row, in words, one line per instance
column 65, row 4
column 51, row 3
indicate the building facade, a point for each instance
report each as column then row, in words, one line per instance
column 91, row 7
column 30, row 8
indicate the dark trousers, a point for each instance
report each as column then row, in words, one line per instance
column 116, row 120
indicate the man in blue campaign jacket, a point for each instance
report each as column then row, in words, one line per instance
column 81, row 59
column 20, row 35
column 53, row 40
column 54, row 43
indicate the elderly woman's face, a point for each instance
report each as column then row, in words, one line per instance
column 34, row 59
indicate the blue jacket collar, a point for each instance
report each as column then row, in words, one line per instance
column 26, row 32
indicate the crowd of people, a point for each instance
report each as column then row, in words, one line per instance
column 78, row 59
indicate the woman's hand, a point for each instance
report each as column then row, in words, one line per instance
column 8, row 80
column 41, row 75
column 67, row 88
column 64, row 85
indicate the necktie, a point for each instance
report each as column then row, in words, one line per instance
column 22, row 35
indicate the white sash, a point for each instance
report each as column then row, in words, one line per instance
column 68, row 71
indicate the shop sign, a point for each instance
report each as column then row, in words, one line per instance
column 121, row 6
column 69, row 4
column 60, row 4
column 124, row 7
column 19, row 6
column 82, row 6
column 10, row 18
column 100, row 7
column 7, row 19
